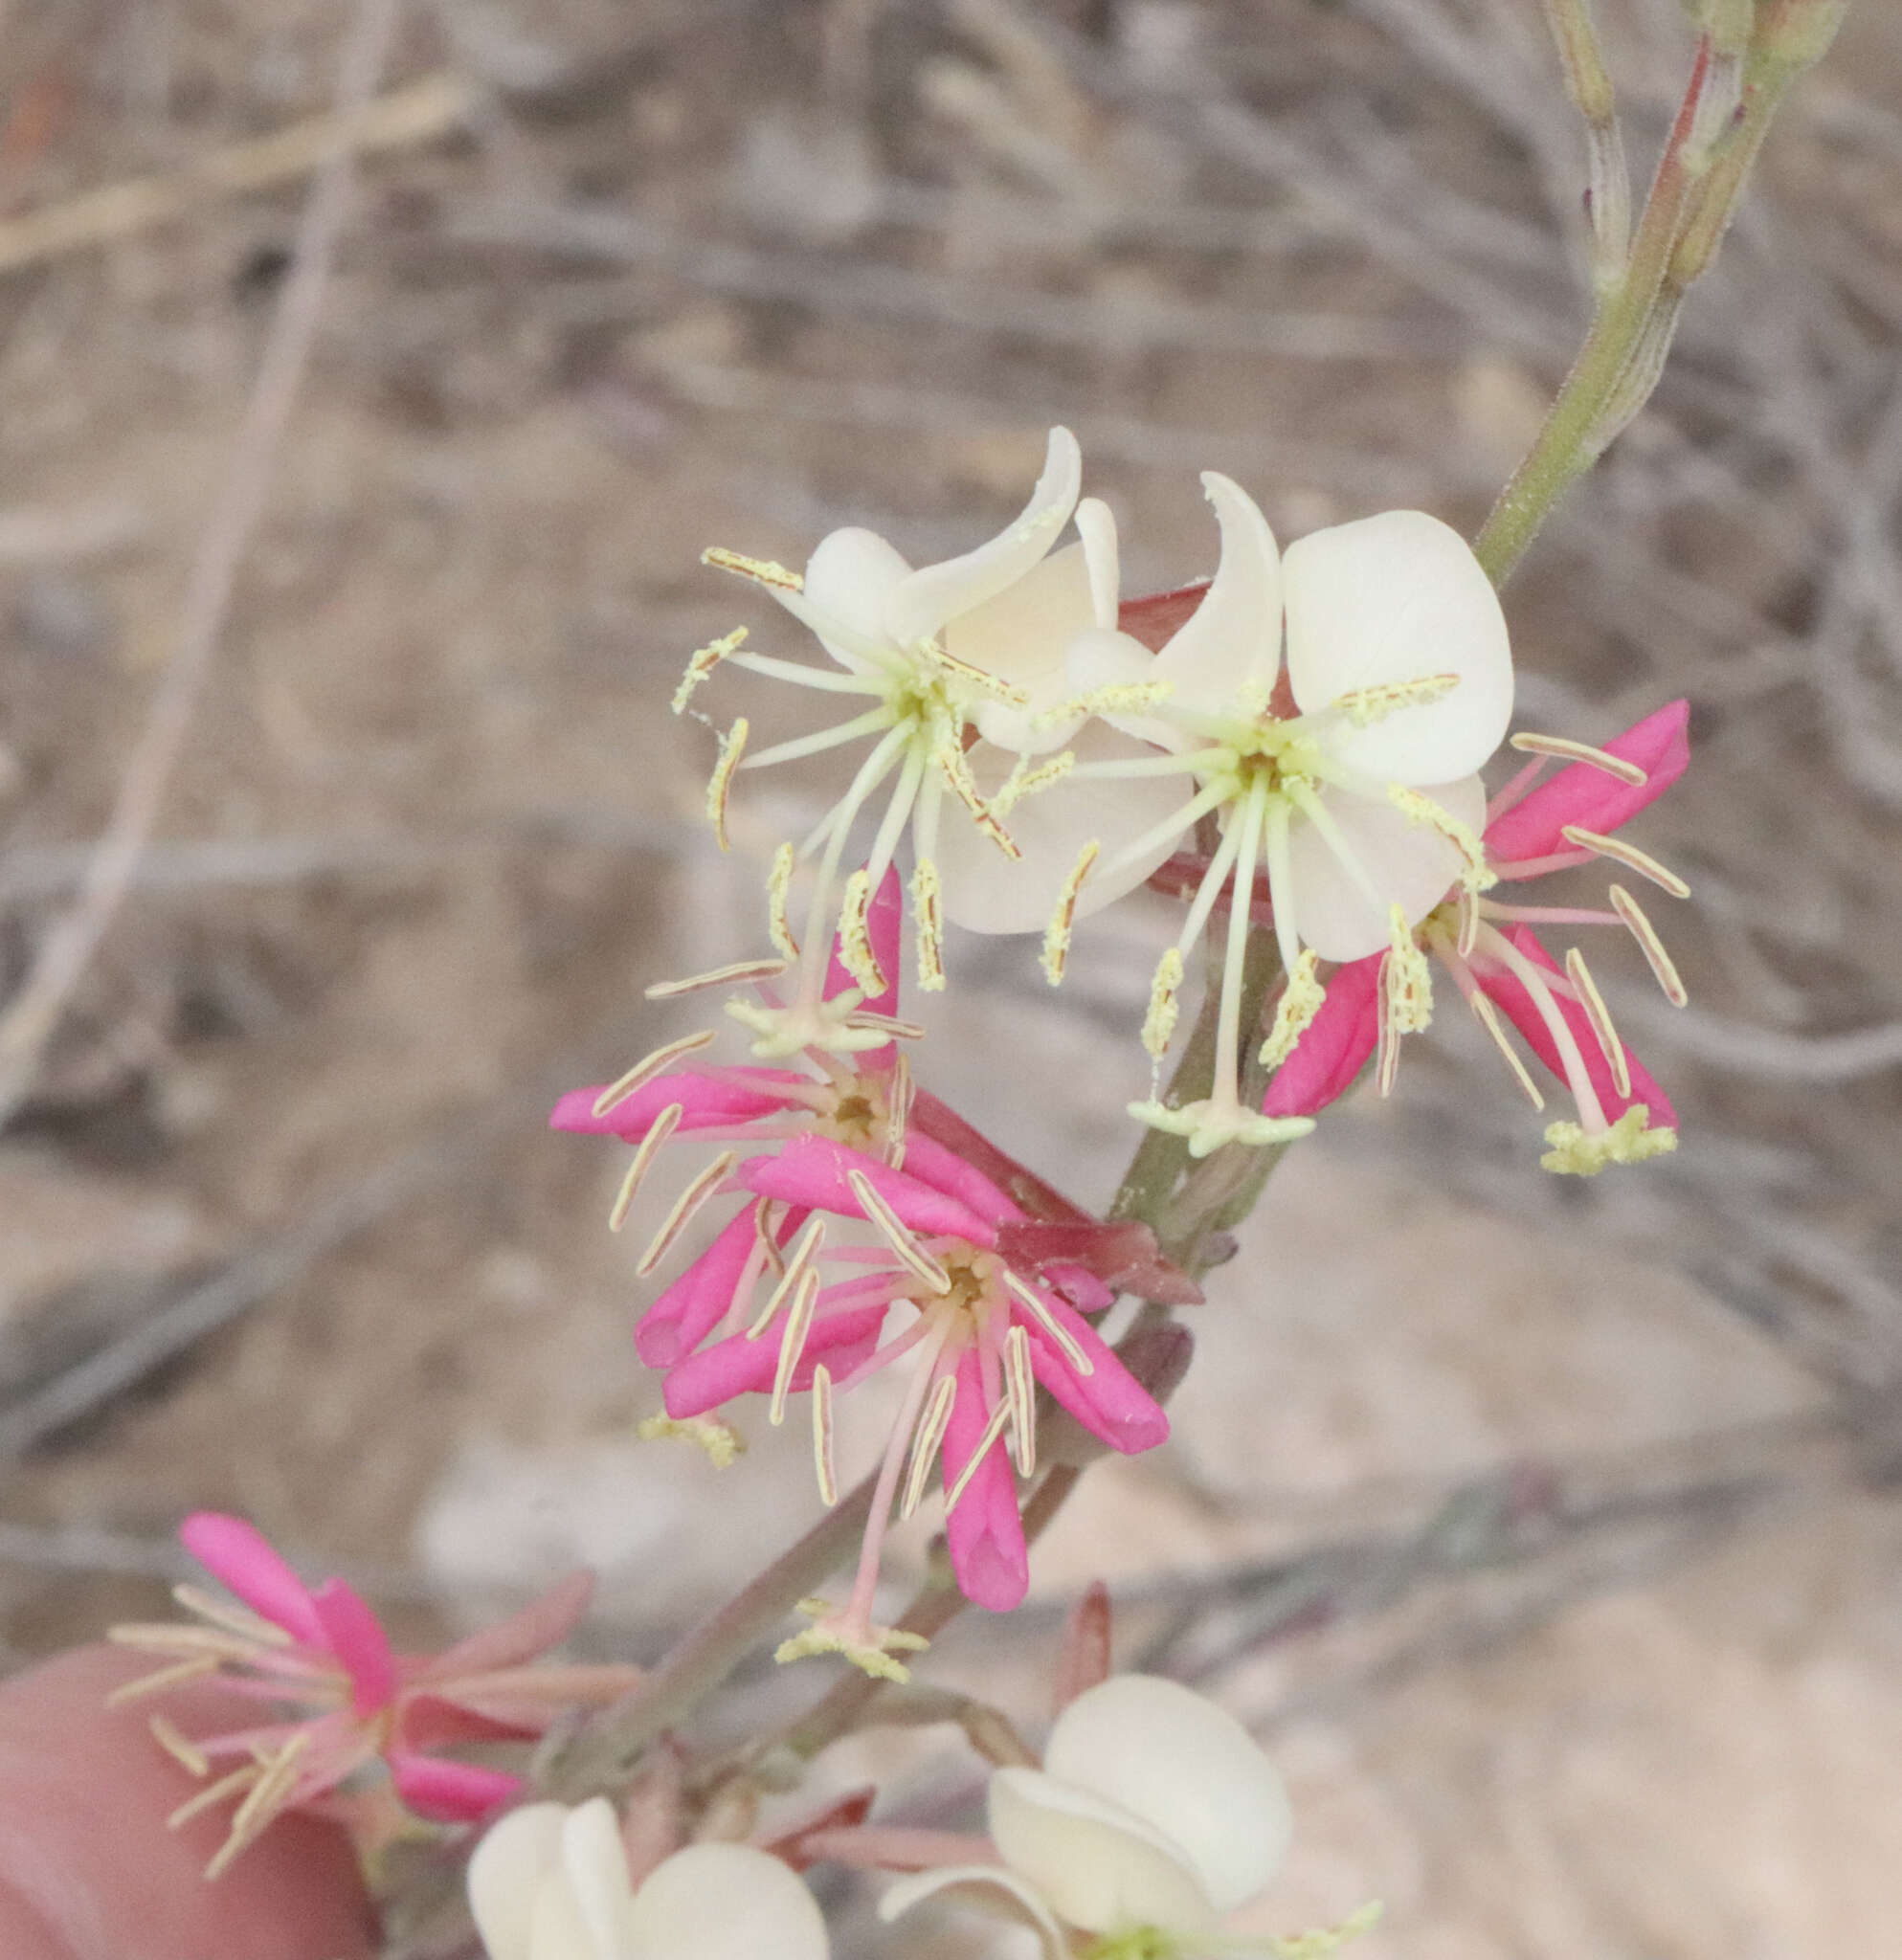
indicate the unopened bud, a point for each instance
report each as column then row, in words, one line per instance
column 1797, row 34
column 1730, row 23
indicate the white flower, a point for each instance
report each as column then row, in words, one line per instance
column 548, row 1882
column 975, row 645
column 1350, row 780
column 1155, row 1815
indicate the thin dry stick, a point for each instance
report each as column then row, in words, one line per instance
column 412, row 115
column 67, row 950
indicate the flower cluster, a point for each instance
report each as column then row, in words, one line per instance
column 336, row 1701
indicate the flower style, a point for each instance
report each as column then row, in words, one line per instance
column 1350, row 779
column 547, row 1883
column 974, row 646
column 1154, row 1816
column 324, row 1653
column 999, row 1298
column 1497, row 960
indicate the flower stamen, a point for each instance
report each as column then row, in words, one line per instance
column 647, row 1068
column 649, row 1147
column 1621, row 851
column 685, row 1208
column 1062, row 920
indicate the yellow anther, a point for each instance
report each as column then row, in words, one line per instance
column 685, row 1207
column 703, row 663
column 822, row 1463
column 928, row 917
column 1121, row 698
column 761, row 571
column 855, row 937
column 1599, row 1016
column 1020, row 1387
column 899, row 1092
column 723, row 1445
column 925, row 1441
column 1557, row 746
column 1159, row 1023
column 182, row 1751
column 647, row 1068
column 1364, row 706
column 1024, row 781
column 660, row 1130
column 891, row 1228
column 999, row 1419
column 1627, row 855
column 1038, row 1308
column 738, row 975
column 1476, row 875
column 1294, row 1014
column 791, row 1274
column 1062, row 920
column 792, row 1344
column 1664, row 968
column 948, row 756
column 778, row 888
column 973, row 676
column 1487, row 1016
column 1578, row 1152
column 1406, row 977
column 732, row 746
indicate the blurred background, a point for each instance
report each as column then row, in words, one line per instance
column 1546, row 1530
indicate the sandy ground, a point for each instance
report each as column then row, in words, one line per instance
column 1607, row 1669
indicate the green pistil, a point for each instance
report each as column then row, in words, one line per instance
column 1136, row 1943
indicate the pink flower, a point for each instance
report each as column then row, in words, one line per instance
column 1501, row 970
column 999, row 1298
column 324, row 1654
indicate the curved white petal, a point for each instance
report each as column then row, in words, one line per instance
column 850, row 579
column 1096, row 527
column 1100, row 1865
column 1184, row 1766
column 505, row 1873
column 1394, row 598
column 1021, row 1900
column 924, row 601
column 725, row 1902
column 1020, row 637
column 1224, row 657
column 594, row 1864
column 1412, row 866
column 560, row 1929
column 986, row 892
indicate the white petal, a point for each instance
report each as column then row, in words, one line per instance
column 1096, row 527
column 505, row 1873
column 1412, row 866
column 1187, row 1769
column 561, row 1931
column 1100, row 657
column 1021, row 1900
column 1394, row 598
column 1020, row 637
column 594, row 1864
column 850, row 579
column 725, row 1902
column 986, row 892
column 923, row 602
column 1098, row 1864
column 1229, row 648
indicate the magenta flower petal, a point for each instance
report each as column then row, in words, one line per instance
column 1519, row 1008
column 690, row 1309
column 706, row 1101
column 1078, row 1285
column 353, row 1634
column 816, row 1172
column 1110, row 1402
column 884, row 924
column 984, row 1530
column 1581, row 795
column 1336, row 1045
column 450, row 1792
column 930, row 1163
column 512, row 1643
column 235, row 1551
column 739, row 1366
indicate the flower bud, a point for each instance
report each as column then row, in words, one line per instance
column 1797, row 34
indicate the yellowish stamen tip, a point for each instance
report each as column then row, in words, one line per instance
column 948, row 756
column 1578, row 1152
column 1476, row 874
column 1159, row 1023
column 778, row 889
column 732, row 746
column 974, row 677
column 1024, row 781
column 761, row 571
column 1062, row 920
column 1124, row 698
column 1294, row 1014
column 855, row 937
column 928, row 917
column 723, row 1444
column 1406, row 977
column 1364, row 706
column 703, row 663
